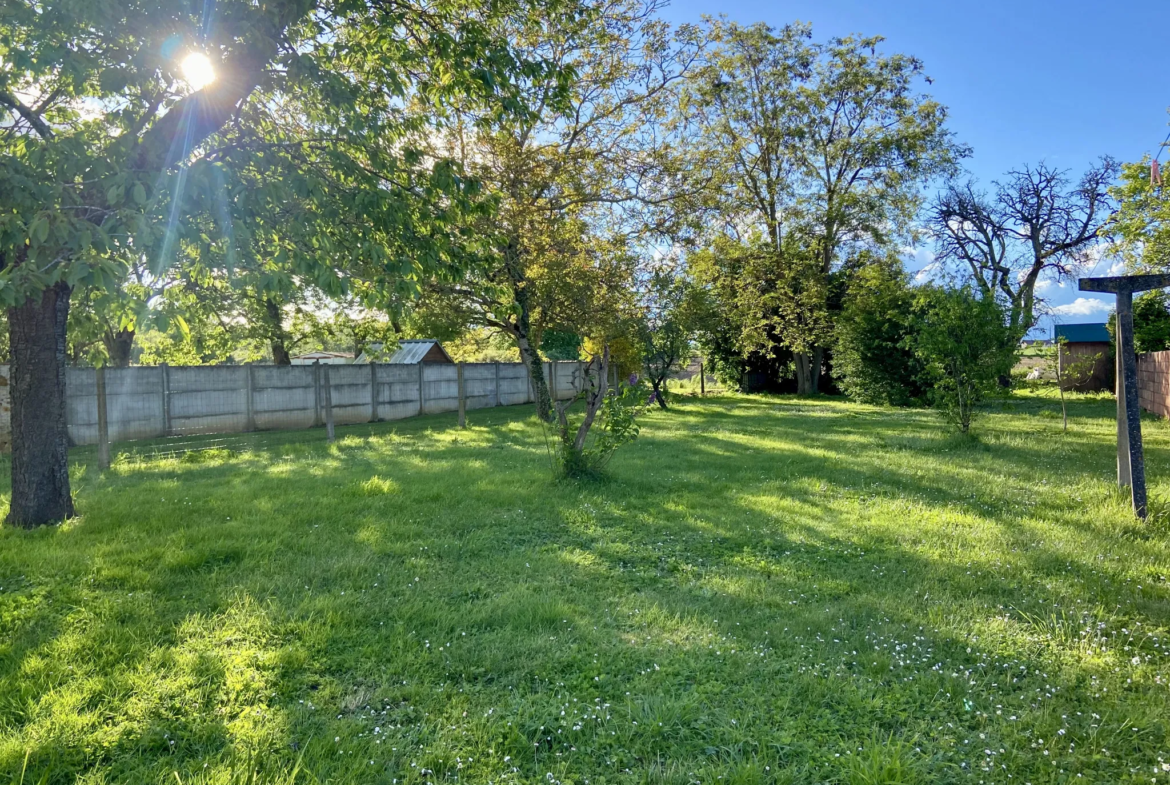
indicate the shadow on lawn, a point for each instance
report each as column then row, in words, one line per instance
column 220, row 584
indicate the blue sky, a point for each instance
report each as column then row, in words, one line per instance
column 1064, row 82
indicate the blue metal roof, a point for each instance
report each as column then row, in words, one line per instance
column 1081, row 333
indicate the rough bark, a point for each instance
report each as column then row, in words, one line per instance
column 808, row 371
column 528, row 355
column 40, row 441
column 119, row 346
column 278, row 340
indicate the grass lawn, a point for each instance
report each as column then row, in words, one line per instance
column 766, row 590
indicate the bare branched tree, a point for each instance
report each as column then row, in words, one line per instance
column 1037, row 223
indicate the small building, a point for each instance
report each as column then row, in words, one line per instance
column 1087, row 349
column 410, row 352
column 324, row 358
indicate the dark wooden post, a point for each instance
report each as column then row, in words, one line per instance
column 1131, row 468
column 702, row 381
column 462, row 395
column 328, row 401
column 103, row 423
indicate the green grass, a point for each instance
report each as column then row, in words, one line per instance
column 766, row 590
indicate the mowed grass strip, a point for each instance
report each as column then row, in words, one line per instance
column 766, row 590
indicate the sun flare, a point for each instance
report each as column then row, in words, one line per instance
column 197, row 70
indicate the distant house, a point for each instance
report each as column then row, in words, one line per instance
column 410, row 352
column 325, row 358
column 1079, row 343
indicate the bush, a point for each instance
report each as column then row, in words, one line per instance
column 965, row 347
column 873, row 360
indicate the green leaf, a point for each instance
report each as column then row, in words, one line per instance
column 139, row 194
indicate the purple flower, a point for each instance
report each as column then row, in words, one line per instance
column 633, row 379
column 653, row 396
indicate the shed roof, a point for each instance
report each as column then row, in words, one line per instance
column 1081, row 333
column 413, row 351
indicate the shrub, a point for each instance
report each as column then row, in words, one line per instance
column 965, row 346
column 873, row 360
column 583, row 448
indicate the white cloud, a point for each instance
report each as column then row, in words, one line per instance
column 1083, row 306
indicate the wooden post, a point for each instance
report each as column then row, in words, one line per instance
column 165, row 375
column 1131, row 468
column 102, row 422
column 328, row 399
column 317, row 420
column 249, row 395
column 497, row 394
column 373, row 392
column 702, row 381
column 462, row 395
column 552, row 380
column 1132, row 409
column 421, row 395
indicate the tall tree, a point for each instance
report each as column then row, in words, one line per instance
column 119, row 122
column 1036, row 223
column 576, row 180
column 825, row 144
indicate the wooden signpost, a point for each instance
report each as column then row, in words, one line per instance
column 1131, row 468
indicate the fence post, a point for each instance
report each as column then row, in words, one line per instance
column 497, row 394
column 702, row 381
column 552, row 379
column 165, row 371
column 317, row 392
column 102, row 422
column 249, row 405
column 421, row 395
column 462, row 396
column 373, row 391
column 328, row 407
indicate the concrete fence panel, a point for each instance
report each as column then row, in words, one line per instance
column 148, row 402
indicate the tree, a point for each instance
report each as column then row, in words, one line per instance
column 1140, row 226
column 575, row 181
column 114, row 148
column 1036, row 223
column 666, row 329
column 873, row 354
column 965, row 344
column 815, row 151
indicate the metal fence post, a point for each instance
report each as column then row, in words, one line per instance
column 373, row 392
column 164, row 370
column 249, row 405
column 103, row 425
column 462, row 395
column 328, row 407
column 421, row 394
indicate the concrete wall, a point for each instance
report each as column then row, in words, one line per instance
column 148, row 402
column 1154, row 382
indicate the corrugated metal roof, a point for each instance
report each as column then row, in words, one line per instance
column 1081, row 333
column 411, row 352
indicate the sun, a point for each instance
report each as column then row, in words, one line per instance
column 197, row 70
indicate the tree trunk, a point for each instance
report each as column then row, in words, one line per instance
column 544, row 407
column 275, row 318
column 808, row 371
column 659, row 393
column 119, row 345
column 40, row 441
